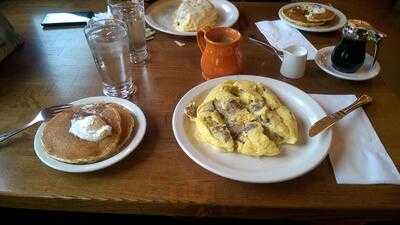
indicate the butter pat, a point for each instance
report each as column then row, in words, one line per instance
column 318, row 10
column 90, row 128
column 315, row 9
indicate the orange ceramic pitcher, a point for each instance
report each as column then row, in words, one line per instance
column 221, row 54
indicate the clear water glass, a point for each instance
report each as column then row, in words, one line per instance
column 132, row 13
column 109, row 44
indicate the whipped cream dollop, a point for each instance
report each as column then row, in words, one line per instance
column 317, row 9
column 90, row 128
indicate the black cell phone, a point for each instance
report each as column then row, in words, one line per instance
column 67, row 18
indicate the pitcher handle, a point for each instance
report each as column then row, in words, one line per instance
column 376, row 36
column 376, row 51
column 201, row 41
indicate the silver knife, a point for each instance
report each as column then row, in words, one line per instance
column 331, row 119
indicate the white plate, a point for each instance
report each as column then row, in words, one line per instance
column 160, row 15
column 294, row 160
column 323, row 60
column 338, row 23
column 139, row 131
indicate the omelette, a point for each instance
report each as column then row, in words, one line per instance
column 243, row 117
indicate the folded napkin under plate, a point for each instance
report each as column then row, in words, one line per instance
column 280, row 35
column 356, row 153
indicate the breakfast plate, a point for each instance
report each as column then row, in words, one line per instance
column 323, row 60
column 138, row 134
column 160, row 15
column 336, row 24
column 294, row 160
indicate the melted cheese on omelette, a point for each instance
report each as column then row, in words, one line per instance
column 194, row 14
column 244, row 117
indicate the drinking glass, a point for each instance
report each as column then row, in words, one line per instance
column 132, row 13
column 109, row 45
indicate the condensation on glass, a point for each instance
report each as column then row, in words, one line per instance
column 132, row 13
column 109, row 44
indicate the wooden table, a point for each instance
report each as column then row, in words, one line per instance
column 55, row 66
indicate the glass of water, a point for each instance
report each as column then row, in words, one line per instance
column 109, row 45
column 132, row 13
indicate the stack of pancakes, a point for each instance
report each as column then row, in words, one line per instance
column 60, row 144
column 308, row 15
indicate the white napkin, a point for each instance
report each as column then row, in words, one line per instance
column 356, row 154
column 102, row 15
column 281, row 35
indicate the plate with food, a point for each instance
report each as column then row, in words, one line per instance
column 95, row 133
column 250, row 129
column 313, row 17
column 185, row 17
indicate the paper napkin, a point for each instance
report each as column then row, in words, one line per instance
column 356, row 153
column 281, row 35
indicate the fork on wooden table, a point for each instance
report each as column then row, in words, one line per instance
column 42, row 116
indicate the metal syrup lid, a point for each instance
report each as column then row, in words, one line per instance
column 362, row 30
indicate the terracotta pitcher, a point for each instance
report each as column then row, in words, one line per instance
column 221, row 54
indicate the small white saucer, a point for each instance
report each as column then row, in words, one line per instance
column 323, row 60
column 139, row 131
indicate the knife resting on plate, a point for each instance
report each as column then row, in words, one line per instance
column 331, row 119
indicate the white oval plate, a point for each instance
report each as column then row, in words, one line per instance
column 339, row 22
column 139, row 131
column 160, row 15
column 323, row 60
column 294, row 161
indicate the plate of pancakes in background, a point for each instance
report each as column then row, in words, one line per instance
column 313, row 17
column 59, row 149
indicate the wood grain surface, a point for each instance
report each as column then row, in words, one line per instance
column 55, row 66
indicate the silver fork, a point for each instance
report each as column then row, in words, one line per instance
column 43, row 115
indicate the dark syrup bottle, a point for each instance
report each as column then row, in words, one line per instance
column 349, row 55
